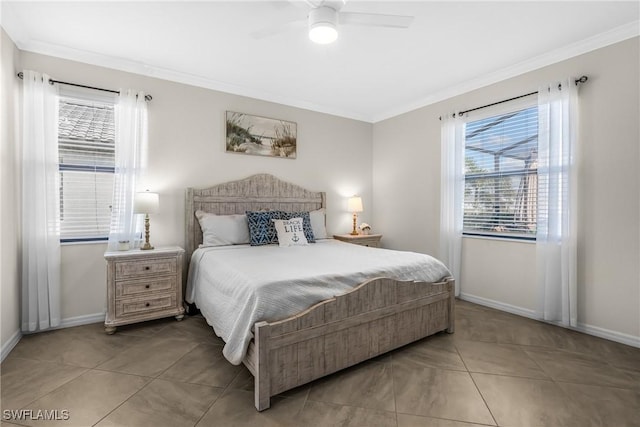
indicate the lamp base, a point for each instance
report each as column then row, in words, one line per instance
column 147, row 246
column 355, row 220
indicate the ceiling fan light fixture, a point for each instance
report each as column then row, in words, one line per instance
column 323, row 28
column 323, row 34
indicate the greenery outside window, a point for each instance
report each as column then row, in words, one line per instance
column 501, row 159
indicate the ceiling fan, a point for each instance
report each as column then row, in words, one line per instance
column 325, row 16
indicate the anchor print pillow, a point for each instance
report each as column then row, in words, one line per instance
column 306, row 223
column 290, row 232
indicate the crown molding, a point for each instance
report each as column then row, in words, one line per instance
column 22, row 41
column 120, row 64
column 598, row 41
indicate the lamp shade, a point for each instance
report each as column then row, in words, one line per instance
column 146, row 202
column 354, row 204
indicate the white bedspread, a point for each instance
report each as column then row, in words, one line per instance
column 236, row 286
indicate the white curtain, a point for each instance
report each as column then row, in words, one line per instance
column 131, row 155
column 451, row 194
column 556, row 239
column 40, row 204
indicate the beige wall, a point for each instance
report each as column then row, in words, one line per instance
column 406, row 184
column 400, row 175
column 9, row 219
column 186, row 139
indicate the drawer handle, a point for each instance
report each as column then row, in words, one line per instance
column 146, row 286
column 147, row 268
column 147, row 305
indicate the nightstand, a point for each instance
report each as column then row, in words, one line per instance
column 143, row 285
column 371, row 240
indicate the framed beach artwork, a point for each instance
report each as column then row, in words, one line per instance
column 260, row 136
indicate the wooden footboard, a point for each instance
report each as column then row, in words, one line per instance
column 378, row 316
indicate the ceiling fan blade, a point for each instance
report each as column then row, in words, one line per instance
column 334, row 4
column 302, row 4
column 375, row 20
column 274, row 30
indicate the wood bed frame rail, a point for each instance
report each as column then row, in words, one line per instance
column 379, row 315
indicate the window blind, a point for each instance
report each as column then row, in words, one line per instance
column 501, row 159
column 86, row 146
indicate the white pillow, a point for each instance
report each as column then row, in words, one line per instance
column 222, row 230
column 290, row 232
column 318, row 224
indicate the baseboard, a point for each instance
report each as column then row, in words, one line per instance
column 64, row 323
column 608, row 334
column 10, row 344
column 582, row 327
column 513, row 309
column 70, row 322
column 81, row 320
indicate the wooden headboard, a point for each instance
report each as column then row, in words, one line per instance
column 258, row 192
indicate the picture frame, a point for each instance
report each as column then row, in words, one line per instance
column 260, row 136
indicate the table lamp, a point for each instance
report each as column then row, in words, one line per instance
column 146, row 203
column 354, row 204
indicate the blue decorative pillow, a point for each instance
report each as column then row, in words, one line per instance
column 306, row 223
column 261, row 228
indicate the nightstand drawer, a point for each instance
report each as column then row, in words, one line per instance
column 370, row 240
column 365, row 241
column 128, row 269
column 141, row 286
column 128, row 307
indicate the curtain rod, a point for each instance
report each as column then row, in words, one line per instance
column 582, row 79
column 51, row 81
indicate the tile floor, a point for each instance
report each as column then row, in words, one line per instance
column 497, row 369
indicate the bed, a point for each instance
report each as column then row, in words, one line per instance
column 363, row 321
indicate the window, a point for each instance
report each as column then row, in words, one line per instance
column 500, row 193
column 86, row 146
